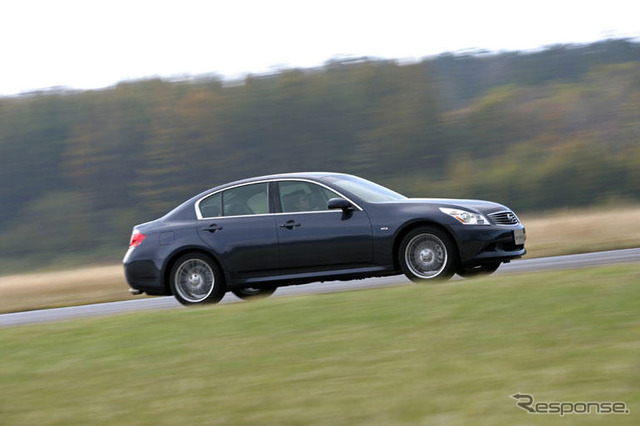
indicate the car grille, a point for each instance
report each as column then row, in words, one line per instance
column 504, row 218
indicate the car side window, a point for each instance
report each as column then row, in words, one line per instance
column 246, row 200
column 212, row 206
column 298, row 196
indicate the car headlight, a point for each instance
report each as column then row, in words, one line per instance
column 465, row 217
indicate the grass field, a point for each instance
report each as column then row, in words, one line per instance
column 450, row 354
column 547, row 235
column 582, row 231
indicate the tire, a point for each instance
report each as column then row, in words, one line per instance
column 478, row 270
column 196, row 279
column 253, row 293
column 428, row 254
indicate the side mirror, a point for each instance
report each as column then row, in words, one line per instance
column 339, row 203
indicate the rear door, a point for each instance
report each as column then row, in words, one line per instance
column 237, row 225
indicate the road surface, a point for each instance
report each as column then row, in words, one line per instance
column 525, row 265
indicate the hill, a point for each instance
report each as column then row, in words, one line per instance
column 535, row 130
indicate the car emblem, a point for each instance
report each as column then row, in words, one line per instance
column 512, row 217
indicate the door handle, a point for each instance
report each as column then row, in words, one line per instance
column 290, row 224
column 212, row 228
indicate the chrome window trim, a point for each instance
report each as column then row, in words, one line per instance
column 200, row 217
column 341, row 195
column 308, row 212
column 197, row 203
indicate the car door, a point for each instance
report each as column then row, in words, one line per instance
column 313, row 238
column 237, row 225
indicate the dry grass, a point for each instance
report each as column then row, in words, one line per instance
column 63, row 288
column 547, row 235
column 572, row 232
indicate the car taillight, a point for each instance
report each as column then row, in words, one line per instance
column 136, row 238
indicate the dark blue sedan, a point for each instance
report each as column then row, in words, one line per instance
column 254, row 235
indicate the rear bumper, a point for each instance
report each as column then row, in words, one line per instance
column 144, row 276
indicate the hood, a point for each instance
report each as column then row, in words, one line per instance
column 475, row 206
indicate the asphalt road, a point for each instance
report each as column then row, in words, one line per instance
column 525, row 265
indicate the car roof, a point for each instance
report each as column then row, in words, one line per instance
column 187, row 205
column 316, row 175
column 297, row 175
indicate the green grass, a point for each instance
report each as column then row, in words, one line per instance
column 449, row 354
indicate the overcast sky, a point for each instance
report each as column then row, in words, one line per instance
column 94, row 43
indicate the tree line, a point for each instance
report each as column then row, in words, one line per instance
column 535, row 130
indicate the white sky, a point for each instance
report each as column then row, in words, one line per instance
column 95, row 43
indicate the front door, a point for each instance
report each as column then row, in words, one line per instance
column 314, row 238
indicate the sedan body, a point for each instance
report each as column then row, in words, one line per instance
column 254, row 235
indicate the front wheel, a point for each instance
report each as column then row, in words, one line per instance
column 196, row 279
column 253, row 293
column 428, row 254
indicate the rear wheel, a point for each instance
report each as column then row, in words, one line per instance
column 427, row 254
column 196, row 279
column 478, row 270
column 253, row 293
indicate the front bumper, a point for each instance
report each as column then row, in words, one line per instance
column 488, row 244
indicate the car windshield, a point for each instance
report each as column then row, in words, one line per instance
column 366, row 190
